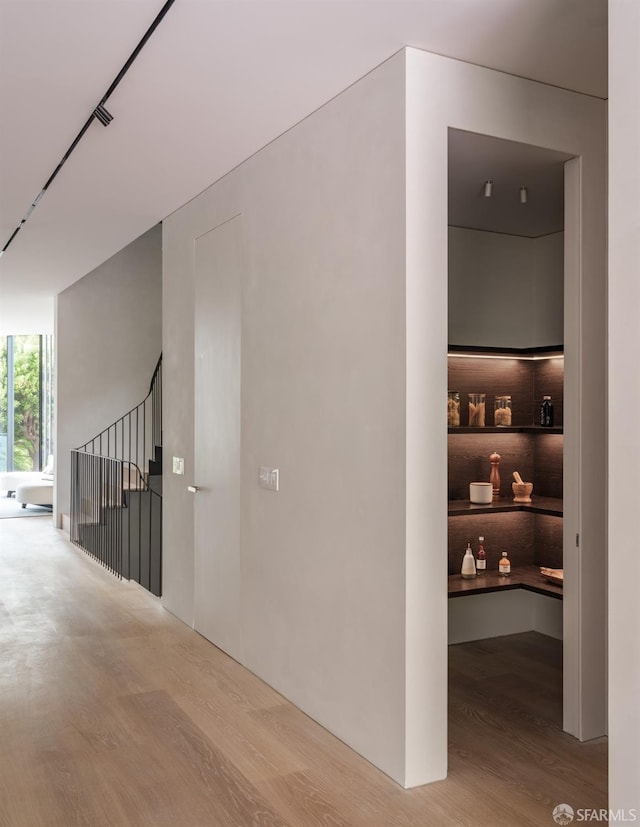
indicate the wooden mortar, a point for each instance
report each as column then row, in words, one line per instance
column 522, row 491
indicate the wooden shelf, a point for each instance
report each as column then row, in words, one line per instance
column 523, row 353
column 538, row 505
column 501, row 429
column 522, row 577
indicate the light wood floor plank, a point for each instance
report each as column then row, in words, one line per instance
column 115, row 714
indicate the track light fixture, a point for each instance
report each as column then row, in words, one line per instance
column 488, row 189
column 523, row 195
column 102, row 115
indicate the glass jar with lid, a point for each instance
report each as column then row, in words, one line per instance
column 453, row 409
column 476, row 410
column 502, row 411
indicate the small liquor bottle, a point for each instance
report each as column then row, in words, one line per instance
column 504, row 566
column 481, row 561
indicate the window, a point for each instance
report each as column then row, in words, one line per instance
column 26, row 402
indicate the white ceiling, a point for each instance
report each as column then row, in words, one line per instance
column 475, row 159
column 218, row 80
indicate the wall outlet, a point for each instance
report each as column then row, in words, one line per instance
column 178, row 465
column 269, row 478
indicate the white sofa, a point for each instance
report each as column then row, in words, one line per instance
column 40, row 481
column 10, row 481
column 39, row 492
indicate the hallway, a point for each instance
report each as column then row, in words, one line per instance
column 112, row 712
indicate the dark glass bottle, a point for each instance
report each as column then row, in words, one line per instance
column 481, row 560
column 546, row 412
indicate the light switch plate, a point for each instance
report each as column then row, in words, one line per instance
column 269, row 478
column 178, row 465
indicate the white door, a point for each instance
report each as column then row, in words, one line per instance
column 217, row 435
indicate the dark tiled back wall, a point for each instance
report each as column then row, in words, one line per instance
column 469, row 461
column 511, row 532
column 548, row 380
column 525, row 381
column 493, row 377
column 547, row 464
column 530, row 539
column 538, row 457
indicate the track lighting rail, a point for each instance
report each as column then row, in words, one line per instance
column 100, row 113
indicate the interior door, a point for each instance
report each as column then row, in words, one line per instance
column 217, row 435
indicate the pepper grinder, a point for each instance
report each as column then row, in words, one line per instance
column 494, row 477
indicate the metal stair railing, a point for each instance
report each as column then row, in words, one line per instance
column 116, row 516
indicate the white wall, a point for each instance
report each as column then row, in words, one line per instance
column 505, row 290
column 444, row 94
column 494, row 614
column 108, row 337
column 547, row 299
column 321, row 212
column 624, row 401
column 24, row 315
column 344, row 339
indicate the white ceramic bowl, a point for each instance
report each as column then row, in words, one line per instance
column 481, row 493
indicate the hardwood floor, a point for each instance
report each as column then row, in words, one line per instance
column 112, row 712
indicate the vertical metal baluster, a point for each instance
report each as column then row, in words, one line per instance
column 113, row 517
column 91, row 500
column 78, row 460
column 86, row 481
column 124, row 515
column 129, row 514
column 150, row 547
column 160, row 554
column 79, row 495
column 77, row 508
column 94, row 464
column 106, row 467
column 137, row 431
column 95, row 467
column 85, row 487
column 83, row 494
column 117, row 474
column 88, row 501
column 106, row 463
column 139, row 496
column 107, row 516
column 115, row 511
column 100, row 490
column 73, row 496
column 74, row 516
column 119, row 519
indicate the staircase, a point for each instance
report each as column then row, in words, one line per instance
column 116, row 493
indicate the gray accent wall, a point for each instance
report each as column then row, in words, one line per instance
column 108, row 337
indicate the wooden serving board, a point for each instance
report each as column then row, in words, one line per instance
column 553, row 575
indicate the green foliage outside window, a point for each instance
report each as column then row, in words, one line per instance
column 26, row 388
